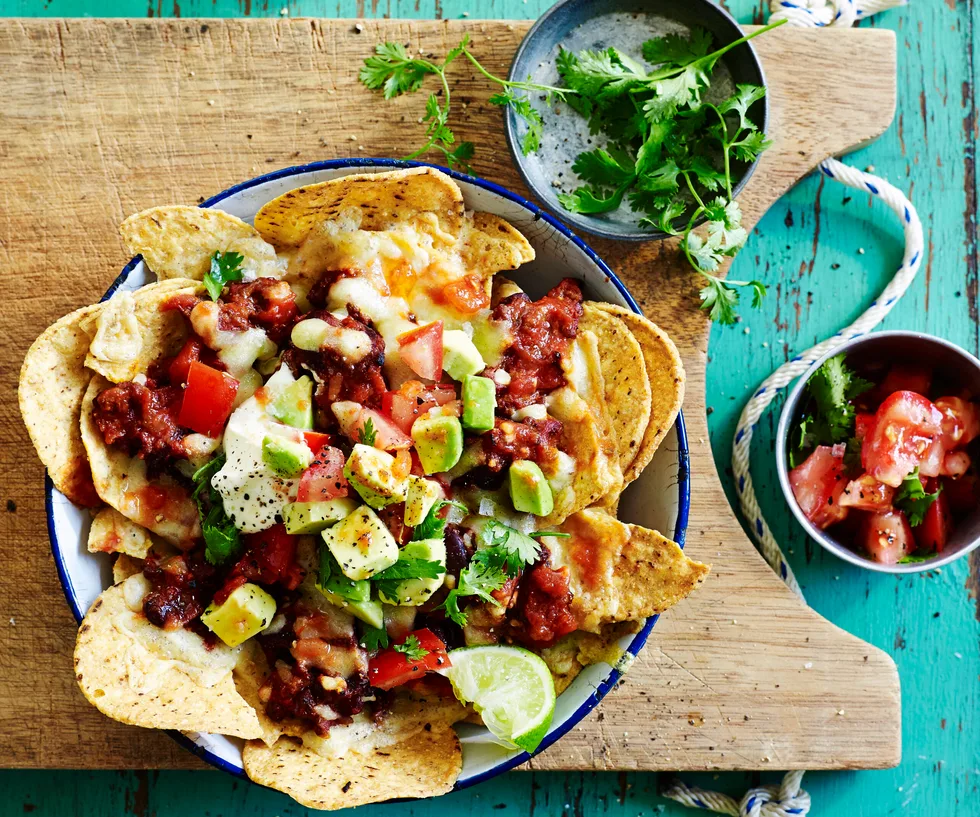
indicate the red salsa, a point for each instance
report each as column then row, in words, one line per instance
column 884, row 459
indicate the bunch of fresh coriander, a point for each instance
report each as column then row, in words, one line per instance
column 669, row 153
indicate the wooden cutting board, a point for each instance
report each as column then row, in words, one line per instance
column 102, row 118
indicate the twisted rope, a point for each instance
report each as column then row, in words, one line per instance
column 788, row 798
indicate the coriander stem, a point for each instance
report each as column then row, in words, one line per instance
column 697, row 198
column 725, row 148
column 506, row 83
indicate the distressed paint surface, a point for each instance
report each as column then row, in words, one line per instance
column 807, row 249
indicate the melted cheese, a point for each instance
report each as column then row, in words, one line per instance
column 153, row 650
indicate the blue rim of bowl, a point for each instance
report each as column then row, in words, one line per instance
column 591, row 225
column 683, row 476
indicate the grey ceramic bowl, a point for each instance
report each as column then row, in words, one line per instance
column 950, row 363
column 624, row 24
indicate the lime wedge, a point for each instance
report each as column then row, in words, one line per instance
column 511, row 688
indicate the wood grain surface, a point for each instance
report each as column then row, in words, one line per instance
column 103, row 118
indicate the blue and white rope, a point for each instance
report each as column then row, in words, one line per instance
column 788, row 798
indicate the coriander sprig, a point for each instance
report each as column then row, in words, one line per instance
column 394, row 71
column 670, row 152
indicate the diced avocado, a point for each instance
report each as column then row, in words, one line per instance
column 472, row 457
column 361, row 544
column 422, row 495
column 367, row 611
column 372, row 473
column 479, row 402
column 332, row 580
column 246, row 612
column 529, row 489
column 438, row 441
column 459, row 356
column 313, row 517
column 413, row 592
column 293, row 404
column 285, row 457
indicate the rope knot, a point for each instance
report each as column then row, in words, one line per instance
column 821, row 13
column 785, row 800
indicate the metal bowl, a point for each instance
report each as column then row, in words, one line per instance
column 624, row 24
column 945, row 358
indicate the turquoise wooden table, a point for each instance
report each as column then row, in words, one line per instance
column 825, row 253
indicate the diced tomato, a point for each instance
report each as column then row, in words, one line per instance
column 324, row 479
column 391, row 668
column 863, row 423
column 315, row 440
column 961, row 421
column 467, row 295
column 886, row 537
column 937, row 525
column 902, row 377
column 962, row 494
column 867, row 494
column 818, row 485
column 413, row 400
column 180, row 365
column 955, row 464
column 352, row 417
column 270, row 558
column 906, row 432
column 208, row 400
column 421, row 349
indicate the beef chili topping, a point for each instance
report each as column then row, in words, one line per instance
column 543, row 612
column 530, row 439
column 319, row 672
column 336, row 379
column 542, row 331
column 141, row 418
column 180, row 588
column 265, row 303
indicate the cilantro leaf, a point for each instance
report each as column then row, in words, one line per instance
column 599, row 167
column 434, row 524
column 719, row 299
column 412, row 649
column 801, row 441
column 506, row 546
column 745, row 97
column 478, row 579
column 749, row 148
column 367, row 435
column 522, row 107
column 833, row 387
column 587, row 200
column 222, row 540
column 677, row 48
column 912, row 499
column 373, row 638
column 225, row 267
column 600, row 75
column 914, row 558
column 386, row 581
column 393, row 69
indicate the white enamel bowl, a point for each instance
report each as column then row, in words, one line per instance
column 658, row 499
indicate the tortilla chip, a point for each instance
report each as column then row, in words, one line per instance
column 502, row 288
column 381, row 199
column 122, row 483
column 423, row 765
column 124, row 567
column 586, row 435
column 145, row 676
column 132, row 330
column 665, row 372
column 620, row 572
column 627, row 387
column 53, row 381
column 111, row 532
column 491, row 244
column 177, row 241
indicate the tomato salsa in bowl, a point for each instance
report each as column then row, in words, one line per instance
column 877, row 451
